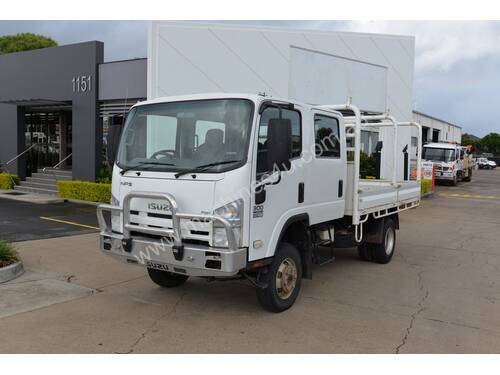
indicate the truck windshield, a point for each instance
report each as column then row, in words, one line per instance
column 180, row 136
column 438, row 154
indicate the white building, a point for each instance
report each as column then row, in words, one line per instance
column 436, row 130
column 318, row 67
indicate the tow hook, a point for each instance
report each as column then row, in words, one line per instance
column 178, row 251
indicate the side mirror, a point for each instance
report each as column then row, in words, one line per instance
column 113, row 141
column 279, row 144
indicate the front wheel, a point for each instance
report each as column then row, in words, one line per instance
column 454, row 181
column 283, row 280
column 166, row 279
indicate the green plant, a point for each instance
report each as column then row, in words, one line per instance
column 24, row 42
column 85, row 191
column 105, row 174
column 7, row 180
column 8, row 254
column 367, row 166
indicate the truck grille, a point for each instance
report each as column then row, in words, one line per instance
column 191, row 230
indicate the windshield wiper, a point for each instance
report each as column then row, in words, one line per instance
column 203, row 167
column 141, row 163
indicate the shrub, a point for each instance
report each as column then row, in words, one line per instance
column 105, row 174
column 8, row 254
column 426, row 186
column 6, row 180
column 85, row 191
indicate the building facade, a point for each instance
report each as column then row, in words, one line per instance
column 437, row 130
column 56, row 103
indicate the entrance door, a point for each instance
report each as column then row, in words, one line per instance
column 49, row 131
column 435, row 135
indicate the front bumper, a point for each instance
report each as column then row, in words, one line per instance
column 197, row 260
column 163, row 249
column 440, row 175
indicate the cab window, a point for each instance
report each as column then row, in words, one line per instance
column 268, row 114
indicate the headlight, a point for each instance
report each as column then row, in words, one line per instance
column 232, row 212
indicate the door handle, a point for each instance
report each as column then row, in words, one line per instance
column 301, row 192
column 341, row 188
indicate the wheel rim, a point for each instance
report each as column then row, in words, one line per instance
column 286, row 278
column 389, row 241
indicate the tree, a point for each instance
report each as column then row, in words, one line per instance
column 468, row 139
column 491, row 143
column 24, row 42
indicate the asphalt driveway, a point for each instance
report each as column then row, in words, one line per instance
column 22, row 221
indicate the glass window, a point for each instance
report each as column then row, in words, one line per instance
column 438, row 154
column 327, row 136
column 177, row 136
column 268, row 114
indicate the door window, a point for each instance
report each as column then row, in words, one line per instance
column 268, row 114
column 327, row 137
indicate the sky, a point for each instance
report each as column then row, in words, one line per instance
column 457, row 63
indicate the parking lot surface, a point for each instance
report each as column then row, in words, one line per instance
column 440, row 294
column 22, row 221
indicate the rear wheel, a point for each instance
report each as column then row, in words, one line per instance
column 382, row 252
column 469, row 176
column 283, row 280
column 166, row 279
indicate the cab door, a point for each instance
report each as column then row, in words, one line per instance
column 326, row 173
column 281, row 197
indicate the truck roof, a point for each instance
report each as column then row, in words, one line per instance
column 451, row 146
column 204, row 96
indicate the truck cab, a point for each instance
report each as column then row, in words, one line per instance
column 452, row 161
column 227, row 186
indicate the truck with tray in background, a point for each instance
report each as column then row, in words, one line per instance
column 452, row 161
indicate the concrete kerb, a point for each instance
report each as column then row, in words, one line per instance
column 30, row 197
column 11, row 271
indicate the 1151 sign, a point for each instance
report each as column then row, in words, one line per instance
column 82, row 83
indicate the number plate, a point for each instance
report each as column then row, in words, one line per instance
column 157, row 266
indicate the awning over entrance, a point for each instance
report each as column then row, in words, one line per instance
column 39, row 104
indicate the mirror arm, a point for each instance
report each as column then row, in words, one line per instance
column 263, row 183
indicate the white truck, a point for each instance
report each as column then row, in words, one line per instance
column 452, row 161
column 225, row 186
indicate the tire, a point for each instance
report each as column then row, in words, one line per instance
column 382, row 253
column 454, row 181
column 469, row 176
column 166, row 279
column 280, row 293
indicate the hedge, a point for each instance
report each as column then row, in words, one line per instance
column 85, row 191
column 6, row 180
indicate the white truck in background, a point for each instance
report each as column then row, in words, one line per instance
column 452, row 161
column 225, row 186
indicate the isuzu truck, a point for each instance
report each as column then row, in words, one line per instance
column 240, row 186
